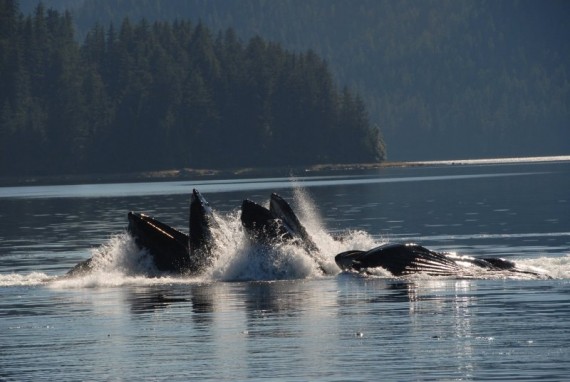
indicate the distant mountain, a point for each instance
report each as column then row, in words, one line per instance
column 441, row 78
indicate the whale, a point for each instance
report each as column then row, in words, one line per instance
column 283, row 211
column 172, row 250
column 201, row 223
column 176, row 252
column 278, row 223
column 409, row 258
column 168, row 246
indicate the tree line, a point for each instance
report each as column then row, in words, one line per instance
column 167, row 94
column 442, row 78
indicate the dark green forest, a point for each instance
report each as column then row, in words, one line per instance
column 157, row 95
column 442, row 78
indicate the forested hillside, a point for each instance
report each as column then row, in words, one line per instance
column 147, row 96
column 442, row 78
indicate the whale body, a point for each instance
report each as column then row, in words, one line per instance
column 167, row 246
column 171, row 250
column 406, row 259
column 278, row 223
column 201, row 222
column 176, row 252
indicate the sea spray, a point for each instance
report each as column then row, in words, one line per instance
column 121, row 254
column 311, row 218
column 239, row 258
column 255, row 261
column 557, row 267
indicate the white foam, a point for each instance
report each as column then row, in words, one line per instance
column 121, row 254
column 555, row 267
column 30, row 279
column 237, row 258
column 262, row 262
column 98, row 279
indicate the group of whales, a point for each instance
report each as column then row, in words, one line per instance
column 175, row 252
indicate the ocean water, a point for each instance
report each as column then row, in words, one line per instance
column 269, row 313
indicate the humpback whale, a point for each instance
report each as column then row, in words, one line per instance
column 406, row 259
column 167, row 246
column 171, row 249
column 201, row 221
column 177, row 252
column 279, row 222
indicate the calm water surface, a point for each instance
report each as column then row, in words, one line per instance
column 270, row 315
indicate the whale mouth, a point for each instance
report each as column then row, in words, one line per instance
column 168, row 246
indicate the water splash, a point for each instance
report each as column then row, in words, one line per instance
column 121, row 254
column 239, row 258
column 120, row 261
column 30, row 279
column 556, row 267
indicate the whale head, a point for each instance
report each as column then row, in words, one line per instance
column 349, row 260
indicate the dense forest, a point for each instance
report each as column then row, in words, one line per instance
column 442, row 78
column 147, row 96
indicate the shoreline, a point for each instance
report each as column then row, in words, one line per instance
column 251, row 172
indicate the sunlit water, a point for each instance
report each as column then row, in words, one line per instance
column 269, row 313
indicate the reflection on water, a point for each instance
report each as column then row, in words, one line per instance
column 350, row 326
column 146, row 301
column 450, row 328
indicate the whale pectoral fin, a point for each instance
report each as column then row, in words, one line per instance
column 432, row 263
column 405, row 259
